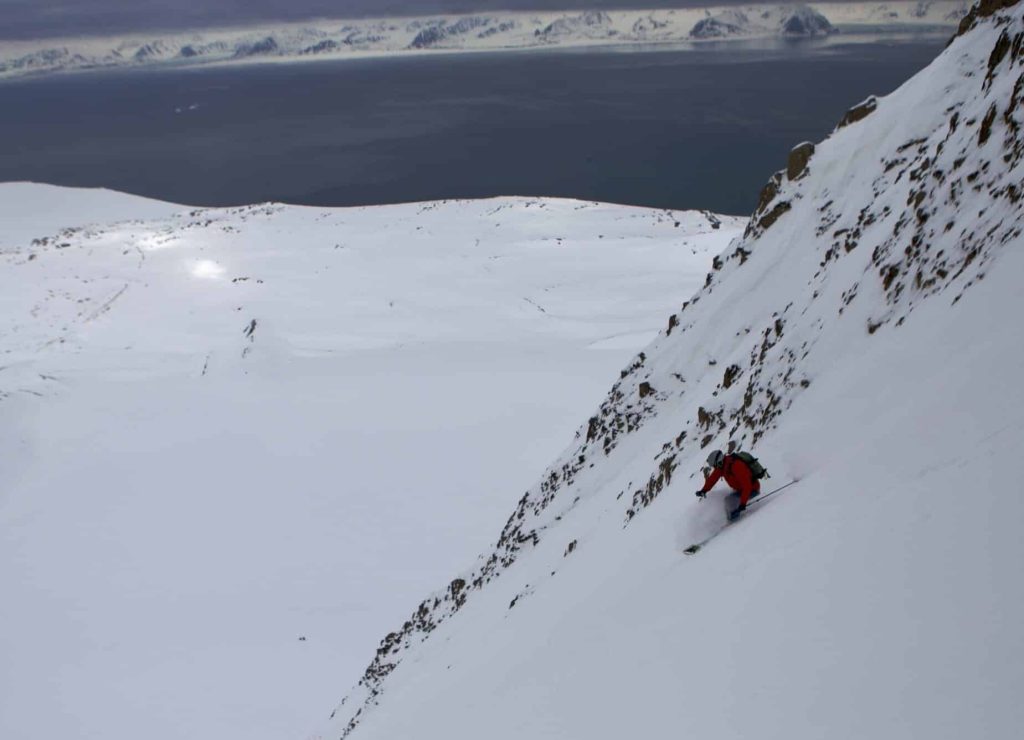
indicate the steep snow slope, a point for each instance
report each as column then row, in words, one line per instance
column 238, row 442
column 863, row 337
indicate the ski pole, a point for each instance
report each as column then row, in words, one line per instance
column 772, row 493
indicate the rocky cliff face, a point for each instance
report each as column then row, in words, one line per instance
column 592, row 24
column 442, row 32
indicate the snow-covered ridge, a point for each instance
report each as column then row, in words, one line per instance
column 862, row 319
column 339, row 39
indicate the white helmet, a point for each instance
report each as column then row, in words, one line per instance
column 716, row 458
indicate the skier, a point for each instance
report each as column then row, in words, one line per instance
column 740, row 478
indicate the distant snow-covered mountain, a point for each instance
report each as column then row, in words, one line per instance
column 862, row 338
column 790, row 22
column 475, row 32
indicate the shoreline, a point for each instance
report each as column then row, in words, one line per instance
column 848, row 36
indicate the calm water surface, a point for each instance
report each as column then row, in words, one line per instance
column 670, row 128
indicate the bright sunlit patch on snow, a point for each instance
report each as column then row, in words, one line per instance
column 206, row 269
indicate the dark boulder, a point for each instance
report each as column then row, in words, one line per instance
column 859, row 112
column 801, row 154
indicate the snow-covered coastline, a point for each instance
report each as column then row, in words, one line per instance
column 366, row 38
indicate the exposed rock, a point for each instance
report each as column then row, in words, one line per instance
column 998, row 54
column 859, row 112
column 589, row 24
column 500, row 28
column 798, row 159
column 648, row 24
column 983, row 9
column 986, row 125
column 762, row 217
column 768, row 192
column 152, row 51
column 800, row 21
column 433, row 35
column 731, row 373
column 773, row 215
column 323, row 47
column 804, row 21
column 725, row 24
column 258, row 48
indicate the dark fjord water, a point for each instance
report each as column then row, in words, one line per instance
column 680, row 129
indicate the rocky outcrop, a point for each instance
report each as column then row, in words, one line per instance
column 983, row 9
column 502, row 27
column 263, row 47
column 648, row 25
column 437, row 34
column 155, row 50
column 324, row 47
column 789, row 22
column 858, row 112
column 800, row 155
column 591, row 24
column 769, row 209
column 724, row 25
column 804, row 22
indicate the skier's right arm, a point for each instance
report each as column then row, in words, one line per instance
column 711, row 480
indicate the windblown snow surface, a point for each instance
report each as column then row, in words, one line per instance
column 863, row 336
column 236, row 444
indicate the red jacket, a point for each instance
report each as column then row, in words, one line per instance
column 737, row 475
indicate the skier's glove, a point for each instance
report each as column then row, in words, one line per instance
column 700, row 493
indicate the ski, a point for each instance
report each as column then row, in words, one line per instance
column 697, row 546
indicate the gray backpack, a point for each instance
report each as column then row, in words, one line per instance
column 756, row 468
